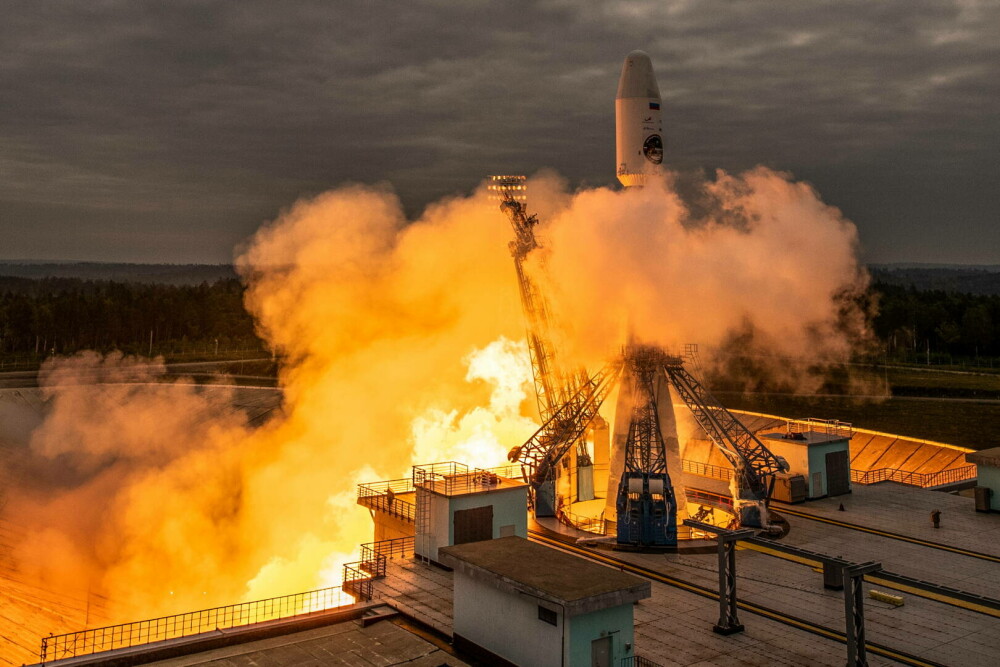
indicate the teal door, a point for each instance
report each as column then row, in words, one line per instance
column 600, row 652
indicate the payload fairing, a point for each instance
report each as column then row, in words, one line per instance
column 638, row 128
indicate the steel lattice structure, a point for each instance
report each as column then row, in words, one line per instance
column 645, row 504
column 644, row 448
column 540, row 454
column 753, row 462
column 551, row 389
column 569, row 402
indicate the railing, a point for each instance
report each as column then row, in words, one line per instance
column 638, row 661
column 828, row 426
column 371, row 562
column 709, row 503
column 707, row 470
column 510, row 471
column 923, row 480
column 696, row 496
column 590, row 524
column 359, row 582
column 126, row 635
column 383, row 496
column 450, row 477
column 401, row 546
column 433, row 470
column 360, row 576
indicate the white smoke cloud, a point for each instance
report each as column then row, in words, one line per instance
column 402, row 343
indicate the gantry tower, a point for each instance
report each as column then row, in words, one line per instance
column 570, row 402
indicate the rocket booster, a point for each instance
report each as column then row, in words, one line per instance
column 638, row 128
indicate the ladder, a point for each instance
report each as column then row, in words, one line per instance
column 422, row 520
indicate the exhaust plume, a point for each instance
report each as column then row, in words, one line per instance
column 402, row 342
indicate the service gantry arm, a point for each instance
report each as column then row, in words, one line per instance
column 753, row 462
column 550, row 385
column 645, row 451
column 540, row 454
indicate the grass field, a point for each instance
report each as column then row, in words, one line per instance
column 922, row 381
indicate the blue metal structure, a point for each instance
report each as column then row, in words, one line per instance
column 646, row 507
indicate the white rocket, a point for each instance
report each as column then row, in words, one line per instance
column 638, row 128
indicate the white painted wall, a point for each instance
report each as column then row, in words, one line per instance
column 510, row 507
column 615, row 622
column 506, row 624
column 796, row 453
column 990, row 477
column 806, row 460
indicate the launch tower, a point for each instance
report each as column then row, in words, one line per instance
column 569, row 400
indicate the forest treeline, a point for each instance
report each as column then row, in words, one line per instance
column 39, row 317
column 161, row 274
column 936, row 326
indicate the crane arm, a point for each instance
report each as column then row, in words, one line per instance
column 539, row 455
column 752, row 460
column 551, row 389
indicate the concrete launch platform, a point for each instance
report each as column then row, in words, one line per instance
column 885, row 522
column 348, row 643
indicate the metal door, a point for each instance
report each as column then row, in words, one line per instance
column 474, row 525
column 817, row 486
column 600, row 652
column 838, row 473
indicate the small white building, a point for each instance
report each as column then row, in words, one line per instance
column 822, row 458
column 987, row 478
column 456, row 504
column 518, row 602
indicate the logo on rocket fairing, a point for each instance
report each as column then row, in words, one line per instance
column 652, row 148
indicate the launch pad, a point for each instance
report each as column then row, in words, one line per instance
column 656, row 497
column 644, row 512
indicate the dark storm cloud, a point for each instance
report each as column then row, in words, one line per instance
column 134, row 130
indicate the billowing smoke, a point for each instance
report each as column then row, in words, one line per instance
column 750, row 264
column 402, row 342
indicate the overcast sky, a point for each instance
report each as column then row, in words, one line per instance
column 169, row 131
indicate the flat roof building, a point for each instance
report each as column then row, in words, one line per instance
column 526, row 604
column 987, row 478
column 456, row 504
column 823, row 459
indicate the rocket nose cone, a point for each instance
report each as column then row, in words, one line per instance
column 637, row 79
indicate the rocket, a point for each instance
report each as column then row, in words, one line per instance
column 638, row 128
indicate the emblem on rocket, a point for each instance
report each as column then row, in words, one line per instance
column 638, row 127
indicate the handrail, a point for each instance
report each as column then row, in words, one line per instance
column 383, row 496
column 400, row 546
column 912, row 478
column 589, row 524
column 451, row 478
column 510, row 471
column 359, row 577
column 694, row 495
column 867, row 431
column 909, row 477
column 404, row 485
column 707, row 470
column 455, row 477
column 828, row 426
column 638, row 661
column 126, row 635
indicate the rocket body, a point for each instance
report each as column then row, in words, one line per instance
column 638, row 128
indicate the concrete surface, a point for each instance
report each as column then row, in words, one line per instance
column 380, row 644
